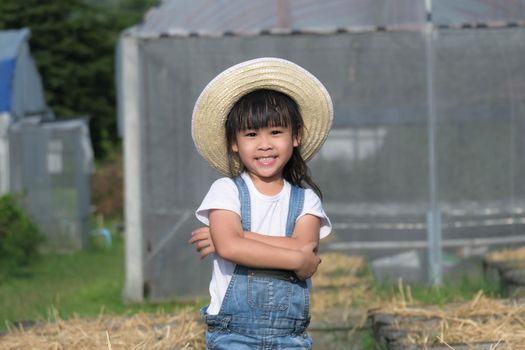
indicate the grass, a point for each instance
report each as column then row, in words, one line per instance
column 452, row 290
column 85, row 283
column 90, row 282
column 456, row 290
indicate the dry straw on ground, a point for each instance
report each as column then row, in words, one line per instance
column 482, row 319
column 140, row 332
column 339, row 270
column 507, row 255
column 341, row 288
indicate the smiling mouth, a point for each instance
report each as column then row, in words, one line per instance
column 266, row 160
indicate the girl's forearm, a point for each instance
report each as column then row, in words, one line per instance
column 307, row 231
column 275, row 241
column 253, row 253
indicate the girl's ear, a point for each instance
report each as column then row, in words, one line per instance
column 297, row 138
column 235, row 148
column 296, row 141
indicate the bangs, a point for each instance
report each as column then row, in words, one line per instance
column 262, row 109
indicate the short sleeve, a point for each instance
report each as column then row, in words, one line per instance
column 223, row 194
column 314, row 206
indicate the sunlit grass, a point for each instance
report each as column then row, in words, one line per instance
column 85, row 283
column 452, row 290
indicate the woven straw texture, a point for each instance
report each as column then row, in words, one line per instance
column 219, row 96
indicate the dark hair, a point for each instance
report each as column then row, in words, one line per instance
column 266, row 108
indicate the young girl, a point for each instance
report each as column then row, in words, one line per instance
column 258, row 122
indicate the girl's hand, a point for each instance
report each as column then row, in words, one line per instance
column 201, row 237
column 310, row 263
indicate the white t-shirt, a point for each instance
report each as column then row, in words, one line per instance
column 268, row 216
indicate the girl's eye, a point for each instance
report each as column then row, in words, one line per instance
column 250, row 134
column 276, row 132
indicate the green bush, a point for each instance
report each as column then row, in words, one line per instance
column 19, row 237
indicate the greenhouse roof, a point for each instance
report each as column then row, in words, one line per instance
column 21, row 91
column 240, row 17
column 10, row 43
column 255, row 16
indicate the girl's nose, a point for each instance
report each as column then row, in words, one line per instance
column 264, row 143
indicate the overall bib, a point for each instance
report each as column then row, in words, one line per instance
column 262, row 308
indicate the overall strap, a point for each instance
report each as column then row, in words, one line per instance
column 244, row 197
column 294, row 207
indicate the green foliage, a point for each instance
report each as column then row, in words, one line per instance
column 368, row 341
column 459, row 290
column 456, row 289
column 19, row 238
column 73, row 42
column 85, row 283
column 107, row 186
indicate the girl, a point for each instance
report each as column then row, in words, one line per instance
column 258, row 122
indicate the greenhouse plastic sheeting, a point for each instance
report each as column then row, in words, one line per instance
column 21, row 91
column 477, row 11
column 209, row 16
column 50, row 168
column 374, row 167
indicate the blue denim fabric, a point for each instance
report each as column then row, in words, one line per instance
column 258, row 311
column 225, row 340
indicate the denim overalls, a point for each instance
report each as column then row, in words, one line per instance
column 262, row 309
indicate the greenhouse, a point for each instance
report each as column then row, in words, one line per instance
column 423, row 167
column 45, row 161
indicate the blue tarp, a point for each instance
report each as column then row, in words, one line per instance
column 7, row 72
column 21, row 91
column 10, row 43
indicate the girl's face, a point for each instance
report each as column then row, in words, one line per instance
column 264, row 152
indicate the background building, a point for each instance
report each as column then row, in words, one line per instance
column 45, row 161
column 423, row 167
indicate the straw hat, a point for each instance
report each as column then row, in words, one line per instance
column 219, row 96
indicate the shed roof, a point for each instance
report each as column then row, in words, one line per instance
column 10, row 42
column 211, row 17
column 241, row 17
column 21, row 91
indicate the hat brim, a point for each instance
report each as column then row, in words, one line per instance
column 219, row 96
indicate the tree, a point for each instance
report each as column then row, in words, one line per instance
column 73, row 43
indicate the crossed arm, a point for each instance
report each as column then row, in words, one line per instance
column 226, row 237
